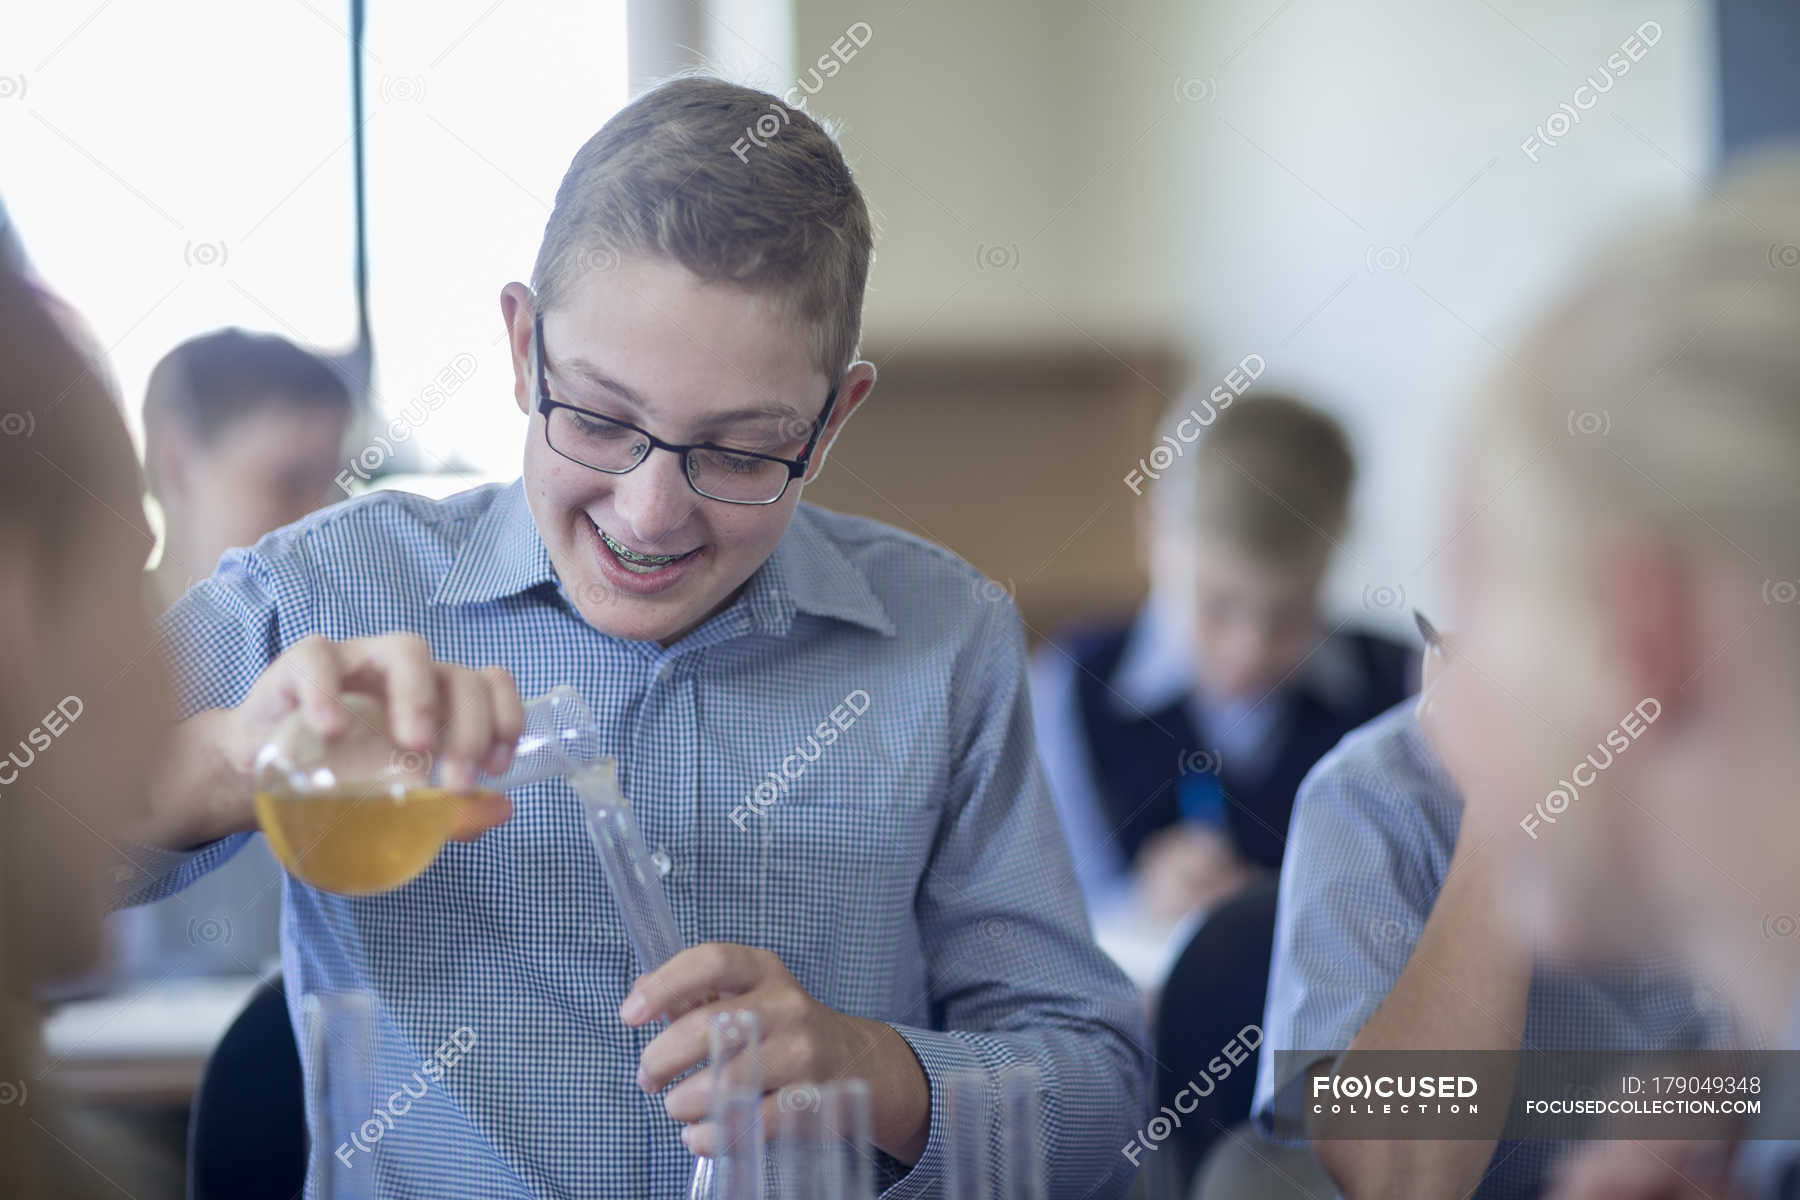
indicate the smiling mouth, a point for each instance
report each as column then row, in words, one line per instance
column 641, row 562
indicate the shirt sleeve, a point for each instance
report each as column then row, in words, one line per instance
column 1013, row 970
column 1356, row 890
column 1069, row 772
column 218, row 639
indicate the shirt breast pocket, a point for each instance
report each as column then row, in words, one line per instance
column 841, row 874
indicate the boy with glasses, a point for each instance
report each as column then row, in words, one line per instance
column 823, row 730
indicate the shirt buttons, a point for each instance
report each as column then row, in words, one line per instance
column 660, row 859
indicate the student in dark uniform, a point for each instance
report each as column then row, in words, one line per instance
column 1175, row 744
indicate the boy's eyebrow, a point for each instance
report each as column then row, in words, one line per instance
column 778, row 411
column 772, row 412
column 594, row 375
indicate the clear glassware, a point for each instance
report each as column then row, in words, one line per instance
column 1021, row 1122
column 736, row 1172
column 636, row 887
column 339, row 1028
column 966, row 1116
column 822, row 1142
column 983, row 1167
column 353, row 814
column 631, row 874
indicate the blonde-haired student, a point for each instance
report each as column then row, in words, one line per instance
column 1626, row 596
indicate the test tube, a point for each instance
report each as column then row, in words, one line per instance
column 632, row 878
column 637, row 889
column 339, row 1028
column 735, row 1069
column 967, row 1117
column 822, row 1144
column 1021, row 1120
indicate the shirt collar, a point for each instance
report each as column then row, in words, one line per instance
column 505, row 555
column 502, row 556
column 1156, row 668
column 809, row 573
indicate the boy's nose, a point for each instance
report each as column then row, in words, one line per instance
column 654, row 500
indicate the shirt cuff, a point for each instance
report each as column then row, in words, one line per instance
column 939, row 1053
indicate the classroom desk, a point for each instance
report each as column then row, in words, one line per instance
column 145, row 1047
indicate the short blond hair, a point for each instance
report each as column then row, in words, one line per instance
column 1664, row 387
column 673, row 174
column 1271, row 476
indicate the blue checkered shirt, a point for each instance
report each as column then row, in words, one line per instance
column 1374, row 827
column 914, row 872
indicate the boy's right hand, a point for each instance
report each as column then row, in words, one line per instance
column 469, row 719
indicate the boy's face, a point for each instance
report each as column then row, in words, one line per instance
column 688, row 361
column 266, row 469
column 1253, row 619
column 1532, row 717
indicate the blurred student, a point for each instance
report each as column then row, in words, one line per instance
column 83, row 698
column 1174, row 744
column 15, row 259
column 1393, row 934
column 244, row 433
column 820, row 728
column 1628, row 581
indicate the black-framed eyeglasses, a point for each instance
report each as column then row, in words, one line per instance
column 615, row 447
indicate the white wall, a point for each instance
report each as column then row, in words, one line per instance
column 1376, row 149
column 1339, row 188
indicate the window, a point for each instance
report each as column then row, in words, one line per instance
column 173, row 170
column 474, row 110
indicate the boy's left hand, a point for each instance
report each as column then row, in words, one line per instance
column 803, row 1041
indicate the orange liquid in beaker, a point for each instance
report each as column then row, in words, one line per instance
column 358, row 841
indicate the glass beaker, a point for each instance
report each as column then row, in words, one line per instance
column 353, row 814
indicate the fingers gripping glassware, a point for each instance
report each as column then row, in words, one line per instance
column 354, row 814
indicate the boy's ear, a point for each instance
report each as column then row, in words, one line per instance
column 1647, row 592
column 853, row 389
column 518, row 309
column 169, row 470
